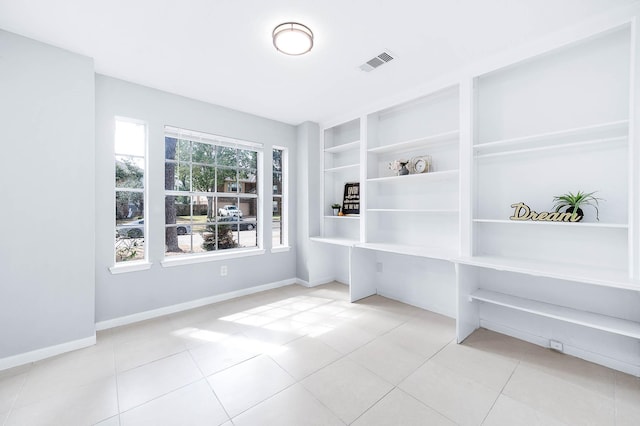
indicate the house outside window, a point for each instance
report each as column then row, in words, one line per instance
column 130, row 193
column 212, row 202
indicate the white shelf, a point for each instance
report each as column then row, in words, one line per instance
column 335, row 241
column 346, row 217
column 574, row 316
column 430, row 252
column 342, row 168
column 416, row 143
column 610, row 132
column 543, row 223
column 343, row 147
column 436, row 211
column 433, row 176
column 568, row 272
column 551, row 147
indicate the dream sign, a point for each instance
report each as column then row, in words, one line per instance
column 524, row 212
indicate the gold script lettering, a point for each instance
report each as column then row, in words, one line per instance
column 524, row 212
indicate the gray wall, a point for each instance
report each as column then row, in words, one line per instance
column 134, row 292
column 46, row 252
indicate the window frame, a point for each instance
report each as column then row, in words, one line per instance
column 284, row 200
column 144, row 263
column 216, row 141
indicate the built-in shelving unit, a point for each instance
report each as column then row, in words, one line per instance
column 523, row 131
column 415, row 212
column 536, row 138
column 341, row 147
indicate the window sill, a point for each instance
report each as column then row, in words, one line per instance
column 191, row 259
column 280, row 249
column 122, row 268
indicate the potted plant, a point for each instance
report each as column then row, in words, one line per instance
column 336, row 208
column 572, row 202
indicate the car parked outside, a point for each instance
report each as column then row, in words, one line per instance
column 235, row 222
column 230, row 210
column 135, row 229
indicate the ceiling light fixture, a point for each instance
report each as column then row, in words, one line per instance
column 292, row 38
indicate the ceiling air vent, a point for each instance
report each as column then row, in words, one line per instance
column 376, row 61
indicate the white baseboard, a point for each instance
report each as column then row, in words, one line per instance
column 433, row 309
column 316, row 282
column 49, row 351
column 154, row 313
column 577, row 352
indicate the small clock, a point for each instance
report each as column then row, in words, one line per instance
column 420, row 164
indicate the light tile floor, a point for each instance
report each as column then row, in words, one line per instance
column 298, row 356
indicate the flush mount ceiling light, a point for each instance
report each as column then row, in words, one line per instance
column 292, row 38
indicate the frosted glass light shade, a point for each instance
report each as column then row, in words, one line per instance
column 292, row 38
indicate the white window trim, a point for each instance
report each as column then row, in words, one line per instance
column 136, row 265
column 123, row 267
column 284, row 214
column 280, row 249
column 189, row 259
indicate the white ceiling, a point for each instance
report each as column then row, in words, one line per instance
column 220, row 51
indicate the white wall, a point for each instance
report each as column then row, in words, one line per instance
column 135, row 292
column 48, row 214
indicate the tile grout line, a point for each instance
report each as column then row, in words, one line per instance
column 209, row 385
column 15, row 399
column 501, row 393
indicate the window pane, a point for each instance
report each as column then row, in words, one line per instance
column 226, row 156
column 129, row 138
column 203, row 209
column 277, row 160
column 227, row 180
column 249, row 208
column 204, row 178
column 202, row 238
column 247, row 159
column 178, row 239
column 247, row 181
column 129, row 172
column 129, row 238
column 277, row 182
column 203, row 153
column 177, row 176
column 129, row 248
column 177, row 149
column 177, row 211
column 129, row 205
column 276, row 226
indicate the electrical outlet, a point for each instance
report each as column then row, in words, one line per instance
column 378, row 266
column 556, row 346
column 223, row 271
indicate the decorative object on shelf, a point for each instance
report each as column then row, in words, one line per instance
column 524, row 212
column 351, row 199
column 336, row 208
column 399, row 166
column 572, row 203
column 420, row 164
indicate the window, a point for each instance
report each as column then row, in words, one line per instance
column 212, row 197
column 279, row 235
column 130, row 147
